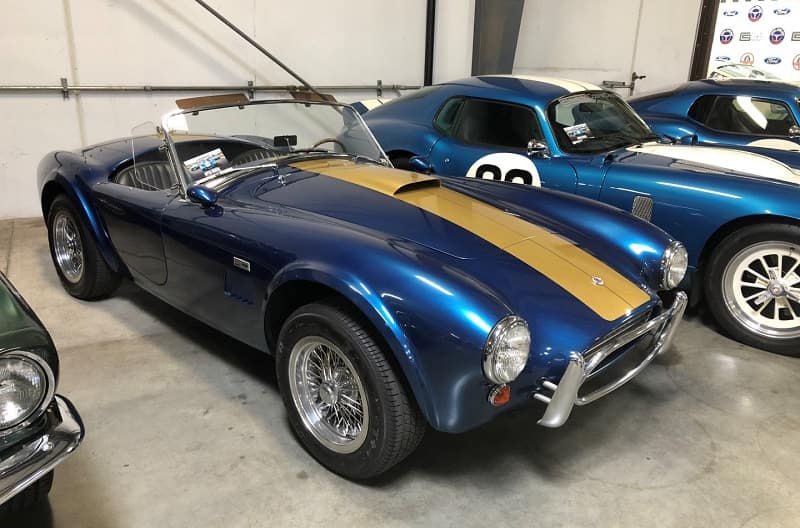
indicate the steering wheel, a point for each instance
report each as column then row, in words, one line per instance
column 329, row 140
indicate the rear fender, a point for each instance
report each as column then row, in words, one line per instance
column 69, row 179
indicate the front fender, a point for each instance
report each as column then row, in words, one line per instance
column 693, row 204
column 435, row 321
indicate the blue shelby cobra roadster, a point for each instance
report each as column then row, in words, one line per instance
column 737, row 212
column 390, row 299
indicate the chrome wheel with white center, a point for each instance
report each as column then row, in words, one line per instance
column 761, row 286
column 328, row 394
column 751, row 281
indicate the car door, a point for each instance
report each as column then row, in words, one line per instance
column 131, row 204
column 212, row 269
column 488, row 139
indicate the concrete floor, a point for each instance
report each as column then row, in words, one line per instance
column 186, row 428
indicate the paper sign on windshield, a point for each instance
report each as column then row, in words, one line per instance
column 577, row 133
column 209, row 164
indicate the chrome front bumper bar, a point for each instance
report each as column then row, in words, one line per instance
column 36, row 456
column 565, row 393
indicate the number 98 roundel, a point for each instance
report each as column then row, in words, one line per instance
column 505, row 166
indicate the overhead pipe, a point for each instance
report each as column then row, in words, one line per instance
column 65, row 88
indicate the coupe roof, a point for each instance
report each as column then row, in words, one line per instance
column 545, row 87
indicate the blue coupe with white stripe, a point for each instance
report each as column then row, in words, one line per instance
column 742, row 112
column 735, row 210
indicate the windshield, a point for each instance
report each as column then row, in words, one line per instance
column 747, row 72
column 214, row 142
column 596, row 122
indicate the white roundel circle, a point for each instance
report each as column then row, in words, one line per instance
column 505, row 166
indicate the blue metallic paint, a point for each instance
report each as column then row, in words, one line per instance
column 431, row 289
column 668, row 112
column 692, row 202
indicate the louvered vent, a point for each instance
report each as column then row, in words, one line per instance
column 643, row 207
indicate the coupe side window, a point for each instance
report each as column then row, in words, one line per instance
column 446, row 116
column 497, row 124
column 743, row 115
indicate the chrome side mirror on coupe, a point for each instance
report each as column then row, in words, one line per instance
column 537, row 149
column 794, row 131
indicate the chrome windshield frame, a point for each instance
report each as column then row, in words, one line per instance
column 180, row 171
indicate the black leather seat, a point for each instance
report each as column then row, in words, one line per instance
column 148, row 176
column 249, row 156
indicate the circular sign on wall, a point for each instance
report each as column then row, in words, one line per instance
column 726, row 36
column 796, row 62
column 747, row 59
column 777, row 35
column 755, row 13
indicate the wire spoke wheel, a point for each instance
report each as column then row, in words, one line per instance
column 328, row 394
column 68, row 247
column 761, row 288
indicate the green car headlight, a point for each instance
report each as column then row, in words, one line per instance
column 24, row 385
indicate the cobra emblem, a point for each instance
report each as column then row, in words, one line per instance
column 597, row 281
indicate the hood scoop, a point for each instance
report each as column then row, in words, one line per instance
column 426, row 183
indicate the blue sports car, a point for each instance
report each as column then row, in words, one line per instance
column 737, row 212
column 742, row 112
column 390, row 299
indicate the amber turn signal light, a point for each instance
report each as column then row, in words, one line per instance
column 500, row 395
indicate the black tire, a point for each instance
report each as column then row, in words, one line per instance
column 29, row 497
column 395, row 427
column 722, row 256
column 401, row 162
column 97, row 279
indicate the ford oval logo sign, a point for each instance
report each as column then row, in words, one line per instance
column 777, row 35
column 747, row 59
column 755, row 13
column 782, row 11
column 723, row 58
column 726, row 36
column 730, row 12
column 773, row 60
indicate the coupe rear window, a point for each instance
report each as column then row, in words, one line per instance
column 743, row 115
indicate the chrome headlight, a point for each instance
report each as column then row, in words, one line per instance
column 24, row 385
column 506, row 351
column 674, row 264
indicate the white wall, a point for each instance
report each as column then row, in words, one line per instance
column 596, row 41
column 176, row 42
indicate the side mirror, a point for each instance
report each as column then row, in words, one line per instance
column 537, row 149
column 689, row 139
column 202, row 195
column 794, row 131
column 420, row 164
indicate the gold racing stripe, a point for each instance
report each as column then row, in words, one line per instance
column 553, row 256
